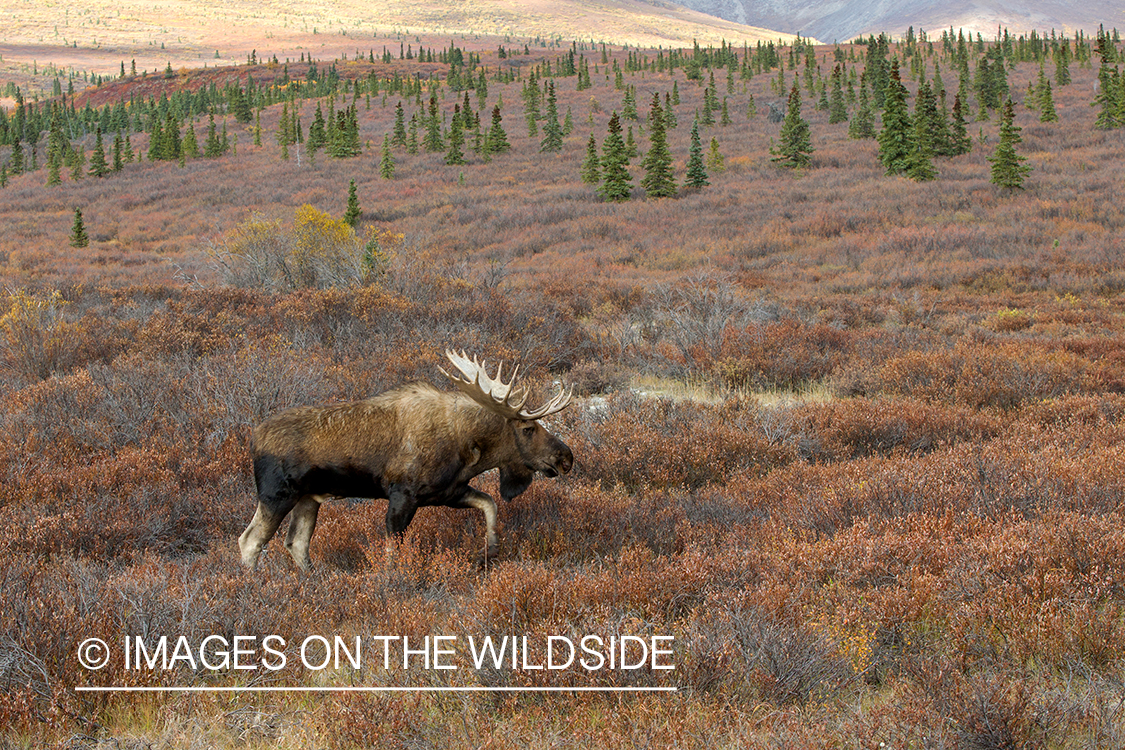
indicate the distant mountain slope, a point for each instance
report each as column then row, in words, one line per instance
column 206, row 24
column 843, row 20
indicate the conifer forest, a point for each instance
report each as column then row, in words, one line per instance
column 845, row 325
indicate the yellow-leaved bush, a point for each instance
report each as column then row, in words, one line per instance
column 315, row 251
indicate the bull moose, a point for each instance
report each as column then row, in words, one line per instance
column 415, row 446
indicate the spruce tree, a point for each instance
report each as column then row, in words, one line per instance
column 455, row 155
column 629, row 104
column 386, row 161
column 432, row 141
column 616, row 182
column 863, row 124
column 318, row 133
column 1008, row 169
column 1047, row 111
column 284, row 132
column 631, row 144
column 670, row 121
column 715, row 161
column 959, row 141
column 497, row 142
column 76, row 160
column 895, row 138
column 118, row 152
column 57, row 146
column 78, row 236
column 658, row 181
column 696, row 173
column 239, row 106
column 190, row 143
column 156, row 141
column 591, row 173
column 399, row 137
column 99, row 167
column 1062, row 64
column 1107, row 98
column 837, row 107
column 16, row 159
column 213, row 147
column 352, row 214
column 172, row 143
column 795, row 147
column 921, row 161
column 552, row 132
column 412, row 137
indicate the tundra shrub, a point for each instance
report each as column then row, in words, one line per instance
column 316, row 251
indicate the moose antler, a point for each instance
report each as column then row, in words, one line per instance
column 494, row 394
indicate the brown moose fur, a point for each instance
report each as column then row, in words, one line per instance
column 415, row 446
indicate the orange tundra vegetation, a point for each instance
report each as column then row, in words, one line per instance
column 856, row 442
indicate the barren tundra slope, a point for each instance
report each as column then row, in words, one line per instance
column 844, row 20
column 96, row 36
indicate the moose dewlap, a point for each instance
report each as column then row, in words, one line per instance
column 414, row 446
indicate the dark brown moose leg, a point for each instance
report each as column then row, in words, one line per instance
column 400, row 512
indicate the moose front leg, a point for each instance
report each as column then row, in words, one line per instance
column 485, row 504
column 401, row 507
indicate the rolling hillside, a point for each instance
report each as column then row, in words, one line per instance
column 193, row 33
column 841, row 20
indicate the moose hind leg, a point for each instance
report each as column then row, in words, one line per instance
column 261, row 529
column 302, row 524
column 486, row 505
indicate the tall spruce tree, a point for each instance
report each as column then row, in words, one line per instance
column 432, row 141
column 552, row 131
column 715, row 160
column 399, row 137
column 497, row 141
column 795, row 146
column 118, row 152
column 1008, row 169
column 1047, row 111
column 455, row 155
column 318, row 133
column 190, row 144
column 78, row 236
column 99, row 167
column 921, row 163
column 959, row 141
column 352, row 213
column 696, row 172
column 863, row 124
column 386, row 161
column 837, row 106
column 658, row 181
column 591, row 171
column 616, row 182
column 895, row 143
column 1106, row 98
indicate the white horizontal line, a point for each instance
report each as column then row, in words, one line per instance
column 364, row 689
